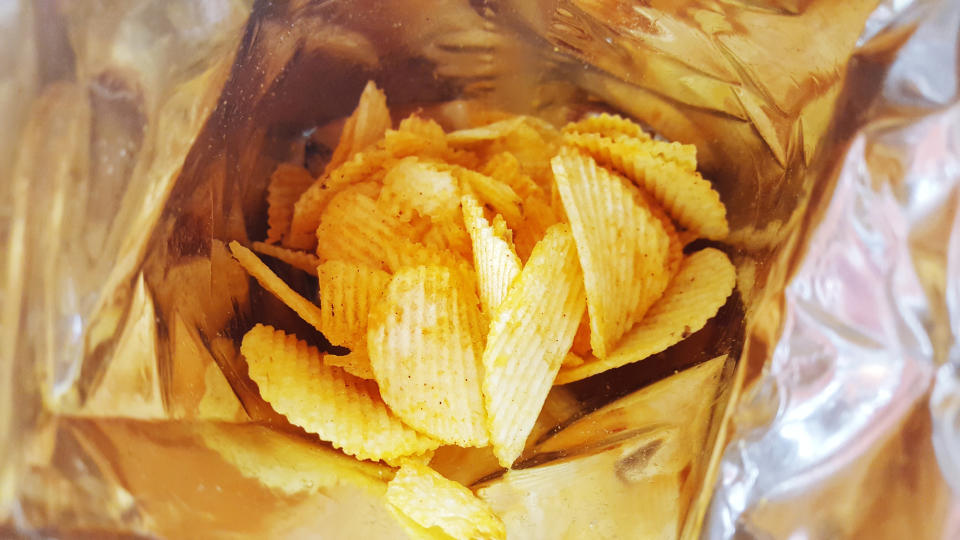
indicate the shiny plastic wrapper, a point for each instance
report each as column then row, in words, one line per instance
column 821, row 402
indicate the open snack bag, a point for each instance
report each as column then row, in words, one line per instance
column 488, row 269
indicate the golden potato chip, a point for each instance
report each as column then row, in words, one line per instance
column 495, row 262
column 340, row 408
column 287, row 183
column 581, row 340
column 490, row 191
column 431, row 500
column 538, row 216
column 609, row 125
column 531, row 148
column 369, row 121
column 425, row 127
column 347, row 291
column 306, row 309
column 288, row 463
column 530, row 334
column 623, row 248
column 425, row 341
column 413, row 186
column 425, row 138
column 450, row 235
column 302, row 260
column 414, row 530
column 686, row 196
column 683, row 155
column 705, row 280
column 487, row 132
column 354, row 228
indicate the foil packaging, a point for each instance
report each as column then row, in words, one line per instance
column 821, row 402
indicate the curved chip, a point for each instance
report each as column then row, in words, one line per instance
column 686, row 196
column 494, row 260
column 424, row 338
column 623, row 248
column 365, row 126
column 487, row 132
column 506, row 168
column 347, row 291
column 287, row 183
column 307, row 310
column 701, row 287
column 414, row 187
column 683, row 155
column 302, row 260
column 490, row 191
column 530, row 334
column 340, row 408
column 609, row 125
column 431, row 500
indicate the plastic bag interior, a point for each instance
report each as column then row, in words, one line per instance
column 828, row 128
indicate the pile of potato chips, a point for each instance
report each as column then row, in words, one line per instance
column 467, row 273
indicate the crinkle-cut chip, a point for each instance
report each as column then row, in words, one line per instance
column 307, row 310
column 502, row 231
column 366, row 165
column 530, row 148
column 425, row 341
column 701, row 287
column 487, row 132
column 431, row 500
column 413, row 186
column 490, row 191
column 530, row 334
column 623, row 248
column 369, row 121
column 686, row 196
column 354, row 228
column 287, row 463
column 494, row 260
column 302, row 260
column 425, row 127
column 506, row 168
column 342, row 409
column 683, row 155
column 450, row 234
column 609, row 125
column 538, row 216
column 287, row 183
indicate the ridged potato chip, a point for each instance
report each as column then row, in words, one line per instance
column 530, row 334
column 425, row 341
column 431, row 500
column 488, row 132
column 686, row 196
column 490, row 191
column 347, row 291
column 412, row 186
column 287, row 183
column 306, row 309
column 369, row 121
column 340, row 408
column 683, row 155
column 623, row 248
column 494, row 260
column 354, row 228
column 701, row 287
column 302, row 260
column 531, row 147
column 506, row 168
column 609, row 125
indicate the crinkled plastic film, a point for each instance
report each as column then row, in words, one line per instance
column 139, row 138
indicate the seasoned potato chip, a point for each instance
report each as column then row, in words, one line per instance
column 414, row 530
column 424, row 338
column 287, row 183
column 490, row 191
column 347, row 291
column 689, row 199
column 506, row 168
column 538, row 216
column 531, row 147
column 413, row 186
column 608, row 125
column 340, row 408
column 495, row 262
column 306, row 309
column 488, row 132
column 302, row 260
column 623, row 248
column 369, row 121
column 530, row 334
column 683, row 155
column 450, row 235
column 705, row 280
column 425, row 127
column 354, row 228
column 431, row 500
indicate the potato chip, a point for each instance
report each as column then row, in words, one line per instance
column 340, row 408
column 369, row 121
column 538, row 216
column 450, row 235
column 424, row 127
column 581, row 340
column 488, row 132
column 530, row 334
column 431, row 500
column 306, row 309
column 490, row 191
column 413, row 186
column 354, row 228
column 302, row 260
column 347, row 291
column 705, row 280
column 531, row 148
column 623, row 248
column 686, row 196
column 425, row 341
column 414, row 530
column 608, row 125
column 683, row 155
column 495, row 262
column 287, row 183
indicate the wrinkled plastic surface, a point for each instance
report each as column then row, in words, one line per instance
column 138, row 139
